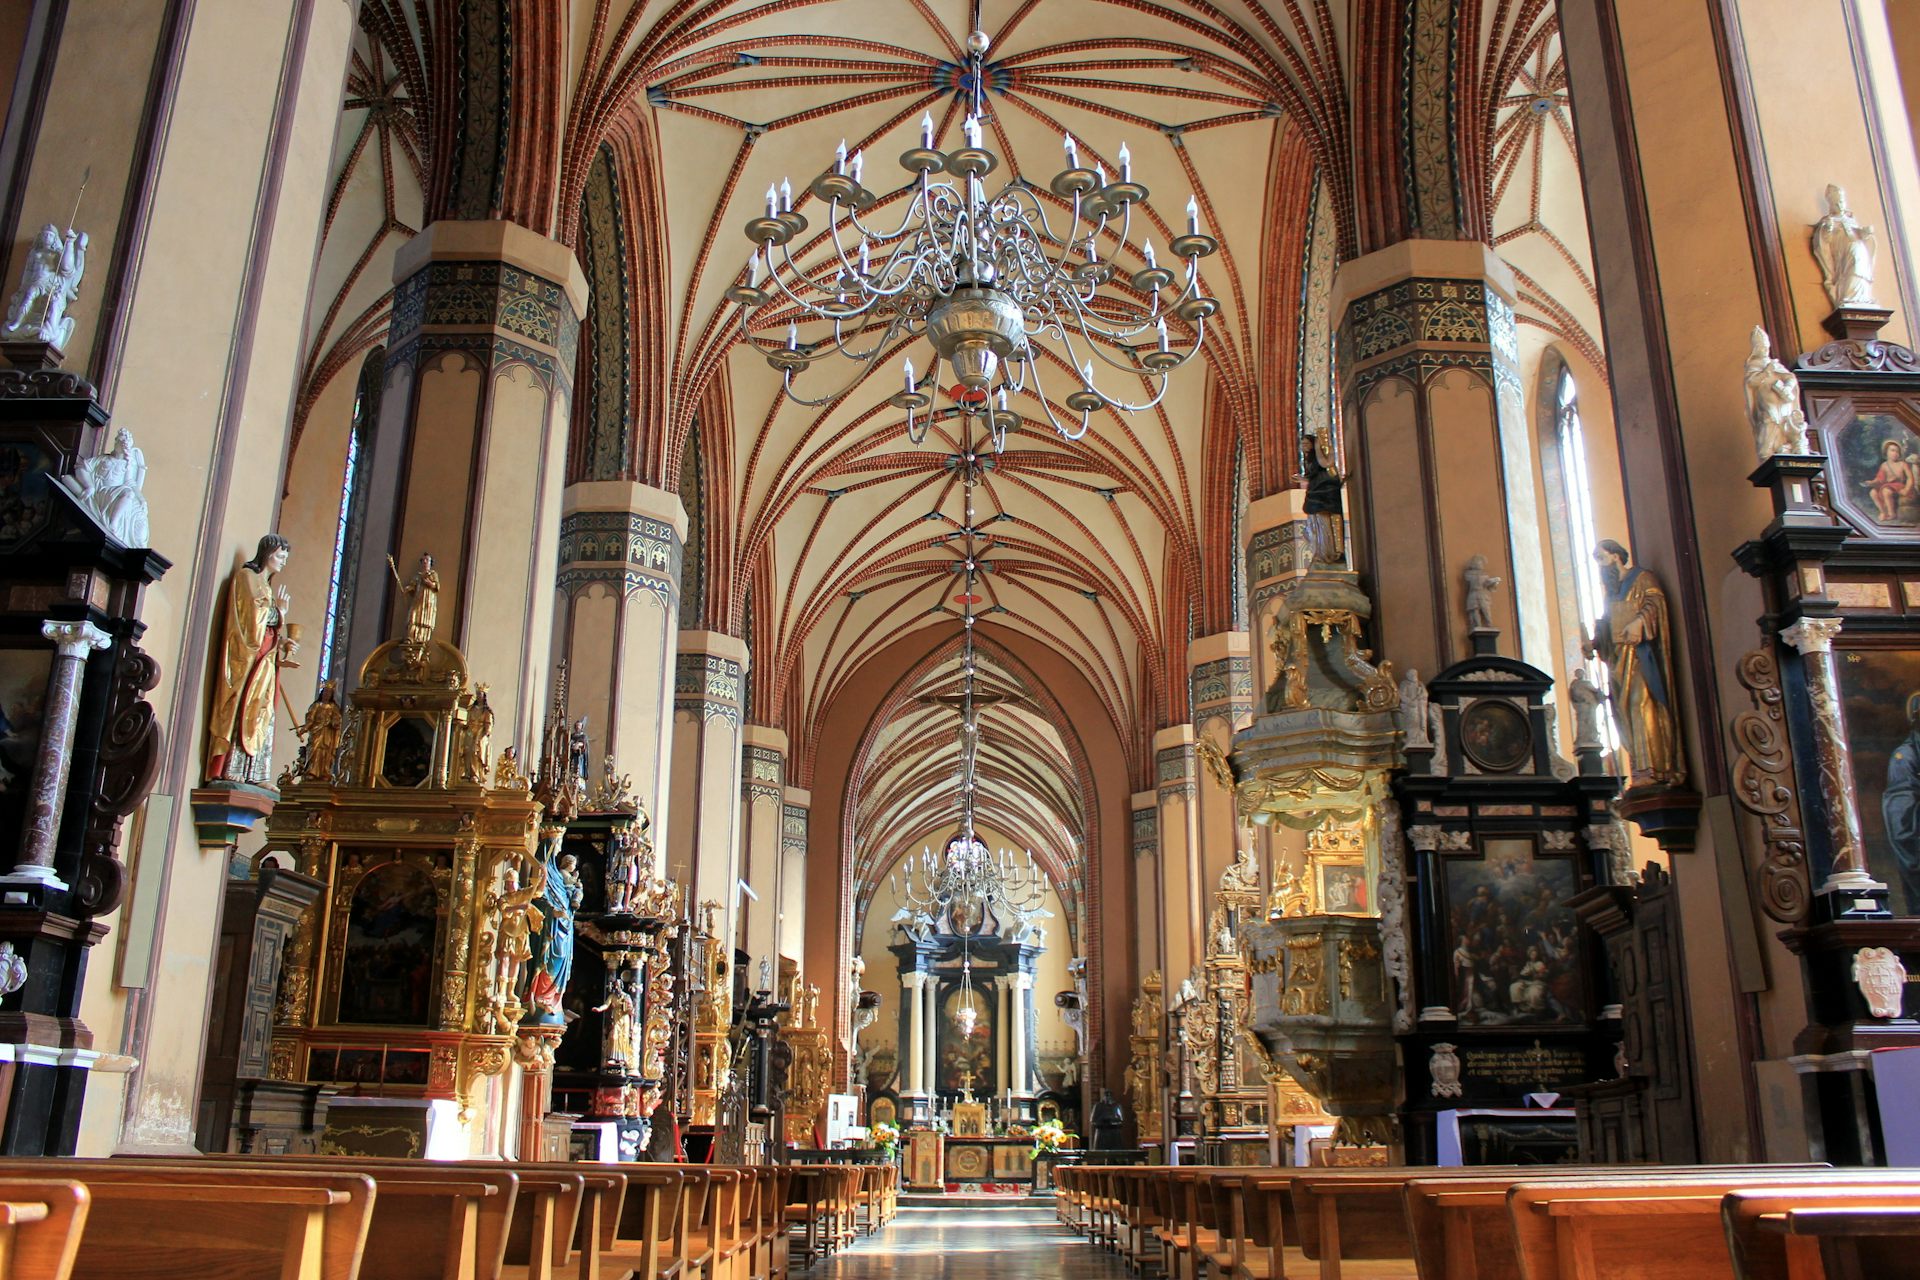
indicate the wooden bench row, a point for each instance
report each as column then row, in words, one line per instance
column 1756, row 1222
column 320, row 1218
column 829, row 1206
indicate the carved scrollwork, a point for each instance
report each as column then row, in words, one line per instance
column 1857, row 356
column 1763, row 786
column 129, row 762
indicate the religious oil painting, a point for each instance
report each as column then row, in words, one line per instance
column 1515, row 955
column 1495, row 736
column 1343, row 888
column 967, row 1062
column 386, row 976
column 1878, row 466
column 1880, row 693
column 26, row 490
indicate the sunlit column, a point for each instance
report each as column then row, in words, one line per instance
column 1180, row 889
column 703, row 841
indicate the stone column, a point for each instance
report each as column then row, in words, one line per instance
column 703, row 843
column 1148, row 939
column 479, row 378
column 1438, row 449
column 617, row 625
column 763, row 811
column 46, row 796
column 913, row 1055
column 1182, row 895
column 1003, row 1010
column 930, row 1046
column 791, row 922
column 1222, row 684
column 1813, row 639
column 1022, row 996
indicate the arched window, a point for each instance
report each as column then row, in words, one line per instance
column 352, row 520
column 1576, row 487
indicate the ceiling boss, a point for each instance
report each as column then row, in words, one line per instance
column 986, row 279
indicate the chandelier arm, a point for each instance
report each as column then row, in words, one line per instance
column 1046, row 406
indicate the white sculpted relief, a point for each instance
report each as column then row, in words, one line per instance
column 111, row 486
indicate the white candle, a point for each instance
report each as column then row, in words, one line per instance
column 1073, row 153
column 1100, row 172
column 840, row 158
column 910, row 388
column 773, row 201
column 1146, row 247
column 786, row 196
column 1126, row 164
column 859, row 165
column 793, row 338
column 1193, row 216
column 972, row 130
column 926, row 131
column 753, row 269
column 1086, row 374
column 1003, row 399
column 1163, row 334
column 865, row 266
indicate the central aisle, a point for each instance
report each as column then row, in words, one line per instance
column 968, row 1242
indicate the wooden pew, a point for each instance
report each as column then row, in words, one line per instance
column 1654, row 1227
column 40, row 1225
column 648, row 1237
column 169, row 1221
column 1824, row 1232
column 469, row 1205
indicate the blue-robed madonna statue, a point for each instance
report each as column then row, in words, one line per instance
column 552, row 959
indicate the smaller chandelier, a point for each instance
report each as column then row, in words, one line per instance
column 985, row 279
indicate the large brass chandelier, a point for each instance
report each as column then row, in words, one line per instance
column 991, row 281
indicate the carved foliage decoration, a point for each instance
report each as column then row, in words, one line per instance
column 1763, row 785
column 129, row 762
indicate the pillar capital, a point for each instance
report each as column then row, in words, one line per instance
column 75, row 639
column 507, row 243
column 1421, row 260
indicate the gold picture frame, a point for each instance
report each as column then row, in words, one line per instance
column 970, row 1120
column 1338, row 879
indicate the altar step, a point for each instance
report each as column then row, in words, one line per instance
column 972, row 1199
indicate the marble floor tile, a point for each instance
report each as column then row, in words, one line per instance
column 971, row 1243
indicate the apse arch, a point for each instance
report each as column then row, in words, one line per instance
column 842, row 745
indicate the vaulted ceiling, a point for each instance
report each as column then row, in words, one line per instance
column 822, row 548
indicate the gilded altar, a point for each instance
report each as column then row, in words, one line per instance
column 402, row 981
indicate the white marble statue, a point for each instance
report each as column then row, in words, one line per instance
column 48, row 283
column 1773, row 401
column 1413, row 709
column 1586, row 699
column 1480, row 588
column 1844, row 246
column 111, row 487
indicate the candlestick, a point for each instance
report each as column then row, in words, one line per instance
column 1193, row 216
column 1146, row 247
column 926, row 131
column 910, row 388
column 1163, row 334
column 1126, row 164
column 773, row 201
column 786, row 196
column 840, row 158
column 1073, row 153
column 859, row 165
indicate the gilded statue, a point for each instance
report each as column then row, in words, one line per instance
column 621, row 1043
column 477, row 739
column 1844, row 246
column 423, row 599
column 1289, row 898
column 519, row 920
column 255, row 639
column 1289, row 689
column 1773, row 401
column 319, row 737
column 1635, row 641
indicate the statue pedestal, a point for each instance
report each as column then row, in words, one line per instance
column 225, row 811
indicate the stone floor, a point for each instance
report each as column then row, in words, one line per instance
column 971, row 1242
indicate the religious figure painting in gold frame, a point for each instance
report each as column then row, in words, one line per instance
column 969, row 1119
column 391, row 946
column 1880, row 700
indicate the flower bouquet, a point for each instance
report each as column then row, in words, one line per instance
column 1050, row 1136
column 885, row 1136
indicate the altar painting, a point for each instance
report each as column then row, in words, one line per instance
column 23, row 699
column 1515, row 942
column 974, row 1053
column 1880, row 693
column 387, row 967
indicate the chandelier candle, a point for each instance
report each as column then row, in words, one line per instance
column 1002, row 285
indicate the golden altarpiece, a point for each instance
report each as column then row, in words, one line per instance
column 401, row 982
